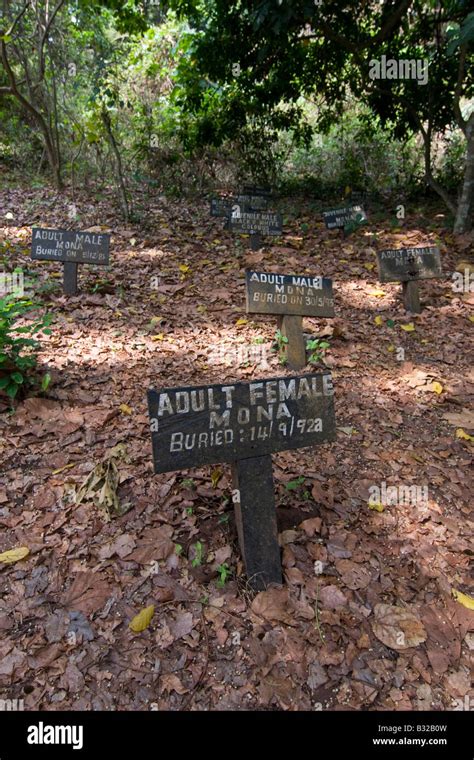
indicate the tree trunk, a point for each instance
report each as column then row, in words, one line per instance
column 38, row 118
column 463, row 221
column 118, row 166
column 53, row 158
column 429, row 178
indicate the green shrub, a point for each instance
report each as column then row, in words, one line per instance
column 451, row 163
column 356, row 153
column 18, row 345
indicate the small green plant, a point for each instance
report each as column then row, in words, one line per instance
column 187, row 483
column 178, row 549
column 224, row 574
column 47, row 287
column 281, row 341
column 292, row 485
column 45, row 382
column 354, row 224
column 102, row 286
column 317, row 348
column 198, row 554
column 18, row 346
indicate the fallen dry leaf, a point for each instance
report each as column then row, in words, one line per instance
column 464, row 599
column 397, row 627
column 464, row 418
column 353, row 575
column 141, row 621
column 272, row 605
column 14, row 555
column 88, row 593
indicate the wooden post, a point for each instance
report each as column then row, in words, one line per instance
column 255, row 241
column 255, row 516
column 227, row 419
column 291, row 327
column 70, row 278
column 411, row 296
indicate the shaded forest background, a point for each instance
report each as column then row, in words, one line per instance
column 184, row 97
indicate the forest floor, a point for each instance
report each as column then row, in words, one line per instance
column 367, row 618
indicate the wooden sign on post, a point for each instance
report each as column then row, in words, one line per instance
column 244, row 423
column 342, row 217
column 408, row 265
column 221, row 206
column 256, row 224
column 224, row 207
column 249, row 202
column 291, row 297
column 246, row 202
column 263, row 190
column 71, row 248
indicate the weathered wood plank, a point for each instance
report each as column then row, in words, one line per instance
column 411, row 296
column 270, row 293
column 262, row 222
column 337, row 218
column 405, row 264
column 193, row 426
column 292, row 328
column 255, row 241
column 262, row 190
column 221, row 206
column 67, row 245
column 70, row 278
column 255, row 514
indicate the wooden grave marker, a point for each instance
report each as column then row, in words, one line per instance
column 225, row 206
column 341, row 217
column 408, row 265
column 256, row 224
column 244, row 423
column 249, row 202
column 221, row 206
column 71, row 248
column 291, row 297
column 264, row 191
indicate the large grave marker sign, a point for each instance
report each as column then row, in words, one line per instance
column 71, row 248
column 291, row 297
column 243, row 423
column 408, row 265
column 270, row 293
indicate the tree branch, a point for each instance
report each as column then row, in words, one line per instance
column 16, row 20
column 43, row 38
column 392, row 21
column 429, row 174
column 462, row 124
column 335, row 37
